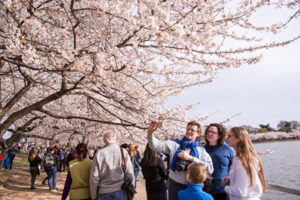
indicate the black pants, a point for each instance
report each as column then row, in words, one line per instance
column 174, row 188
column 34, row 171
column 11, row 160
column 62, row 164
column 221, row 196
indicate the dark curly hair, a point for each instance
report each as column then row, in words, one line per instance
column 221, row 133
column 81, row 148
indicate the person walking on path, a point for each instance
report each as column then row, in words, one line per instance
column 221, row 155
column 155, row 174
column 1, row 159
column 50, row 166
column 195, row 177
column 135, row 163
column 107, row 175
column 62, row 164
column 77, row 182
column 11, row 154
column 71, row 156
column 246, row 174
column 34, row 161
column 182, row 153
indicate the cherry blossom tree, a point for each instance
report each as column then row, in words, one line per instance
column 79, row 67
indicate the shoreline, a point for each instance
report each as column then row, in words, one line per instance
column 275, row 140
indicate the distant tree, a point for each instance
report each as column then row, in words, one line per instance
column 250, row 129
column 262, row 130
column 281, row 125
column 267, row 127
column 287, row 126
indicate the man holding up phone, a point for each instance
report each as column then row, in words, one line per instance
column 182, row 153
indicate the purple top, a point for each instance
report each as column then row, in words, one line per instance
column 67, row 186
column 62, row 154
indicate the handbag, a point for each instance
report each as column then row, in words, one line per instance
column 127, row 185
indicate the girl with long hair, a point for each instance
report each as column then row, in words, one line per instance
column 155, row 174
column 246, row 174
column 221, row 155
column 34, row 161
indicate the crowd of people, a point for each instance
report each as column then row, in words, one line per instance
column 227, row 167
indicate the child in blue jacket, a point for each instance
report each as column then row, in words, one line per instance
column 195, row 177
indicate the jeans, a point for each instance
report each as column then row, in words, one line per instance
column 62, row 165
column 118, row 195
column 174, row 189
column 136, row 173
column 51, row 172
column 11, row 160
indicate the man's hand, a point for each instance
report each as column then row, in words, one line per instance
column 152, row 127
column 225, row 180
column 185, row 156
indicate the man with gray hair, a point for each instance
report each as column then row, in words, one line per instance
column 106, row 176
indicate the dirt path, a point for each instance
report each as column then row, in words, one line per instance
column 15, row 185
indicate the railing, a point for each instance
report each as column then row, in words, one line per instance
column 283, row 189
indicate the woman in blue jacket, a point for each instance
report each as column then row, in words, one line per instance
column 221, row 155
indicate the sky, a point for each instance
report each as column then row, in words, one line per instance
column 264, row 93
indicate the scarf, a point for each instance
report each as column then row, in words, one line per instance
column 185, row 144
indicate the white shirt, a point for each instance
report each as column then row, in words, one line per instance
column 239, row 188
column 170, row 147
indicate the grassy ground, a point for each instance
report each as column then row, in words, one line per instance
column 16, row 184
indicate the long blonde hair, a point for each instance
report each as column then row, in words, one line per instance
column 247, row 154
column 131, row 150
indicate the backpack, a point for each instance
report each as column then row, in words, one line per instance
column 49, row 160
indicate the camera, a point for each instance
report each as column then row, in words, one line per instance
column 182, row 165
column 128, row 187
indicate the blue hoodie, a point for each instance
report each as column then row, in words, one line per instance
column 194, row 192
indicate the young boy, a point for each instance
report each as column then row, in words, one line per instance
column 195, row 177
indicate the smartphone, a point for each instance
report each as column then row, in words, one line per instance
column 159, row 124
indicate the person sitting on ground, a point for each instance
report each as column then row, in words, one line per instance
column 182, row 153
column 77, row 184
column 195, row 177
column 34, row 161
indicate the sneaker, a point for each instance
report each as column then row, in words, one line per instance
column 54, row 190
column 32, row 188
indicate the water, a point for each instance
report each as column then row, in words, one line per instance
column 282, row 168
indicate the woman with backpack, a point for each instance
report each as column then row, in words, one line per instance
column 50, row 166
column 34, row 161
